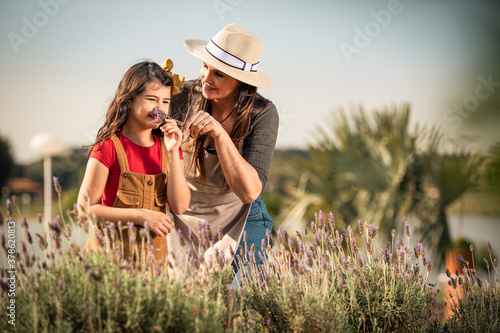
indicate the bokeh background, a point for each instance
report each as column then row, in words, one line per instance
column 435, row 62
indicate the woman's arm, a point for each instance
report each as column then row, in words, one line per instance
column 178, row 193
column 246, row 175
column 96, row 175
column 240, row 175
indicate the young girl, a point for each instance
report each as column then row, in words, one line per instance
column 135, row 171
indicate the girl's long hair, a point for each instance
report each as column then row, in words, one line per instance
column 248, row 102
column 132, row 84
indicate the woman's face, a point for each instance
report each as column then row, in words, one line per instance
column 216, row 84
column 154, row 97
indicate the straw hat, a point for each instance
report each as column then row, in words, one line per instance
column 234, row 51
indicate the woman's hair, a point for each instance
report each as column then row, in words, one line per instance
column 132, row 84
column 247, row 103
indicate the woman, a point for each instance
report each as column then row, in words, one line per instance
column 234, row 132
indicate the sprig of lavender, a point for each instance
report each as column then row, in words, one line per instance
column 163, row 116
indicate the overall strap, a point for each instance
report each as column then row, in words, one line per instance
column 164, row 161
column 120, row 154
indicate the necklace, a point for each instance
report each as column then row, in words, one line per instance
column 230, row 113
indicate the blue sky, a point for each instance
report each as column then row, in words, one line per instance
column 61, row 60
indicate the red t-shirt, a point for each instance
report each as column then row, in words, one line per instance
column 143, row 160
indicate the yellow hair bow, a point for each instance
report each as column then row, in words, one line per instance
column 167, row 65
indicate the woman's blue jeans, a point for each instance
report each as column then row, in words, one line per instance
column 258, row 222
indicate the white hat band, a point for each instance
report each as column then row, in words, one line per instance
column 230, row 59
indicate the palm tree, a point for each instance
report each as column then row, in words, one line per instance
column 377, row 168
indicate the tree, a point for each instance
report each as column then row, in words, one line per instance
column 376, row 168
column 6, row 161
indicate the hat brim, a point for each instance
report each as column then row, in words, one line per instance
column 197, row 48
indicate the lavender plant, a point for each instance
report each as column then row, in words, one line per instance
column 474, row 303
column 328, row 282
column 322, row 280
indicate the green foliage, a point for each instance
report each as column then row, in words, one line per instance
column 6, row 161
column 377, row 167
column 492, row 174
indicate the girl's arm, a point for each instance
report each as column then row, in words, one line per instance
column 178, row 193
column 96, row 176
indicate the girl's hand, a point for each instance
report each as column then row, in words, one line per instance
column 203, row 123
column 160, row 223
column 172, row 135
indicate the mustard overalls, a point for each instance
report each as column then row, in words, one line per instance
column 137, row 190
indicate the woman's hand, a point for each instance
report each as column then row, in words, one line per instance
column 172, row 135
column 160, row 223
column 203, row 123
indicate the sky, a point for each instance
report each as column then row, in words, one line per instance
column 61, row 60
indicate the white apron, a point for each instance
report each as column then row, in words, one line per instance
column 207, row 203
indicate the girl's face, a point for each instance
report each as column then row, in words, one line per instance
column 217, row 85
column 154, row 97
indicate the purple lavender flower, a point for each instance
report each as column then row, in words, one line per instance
column 313, row 248
column 291, row 246
column 359, row 262
column 299, row 236
column 360, row 226
column 486, row 263
column 428, row 266
column 471, row 248
column 301, row 246
column 489, row 247
column 401, row 256
column 8, row 203
column 160, row 115
column 372, row 231
column 344, row 261
column 279, row 236
column 219, row 232
column 407, row 229
column 420, row 250
column 331, row 221
column 338, row 240
column 57, row 186
column 354, row 246
column 317, row 237
column 369, row 248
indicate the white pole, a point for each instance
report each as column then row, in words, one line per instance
column 47, row 189
column 47, row 197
